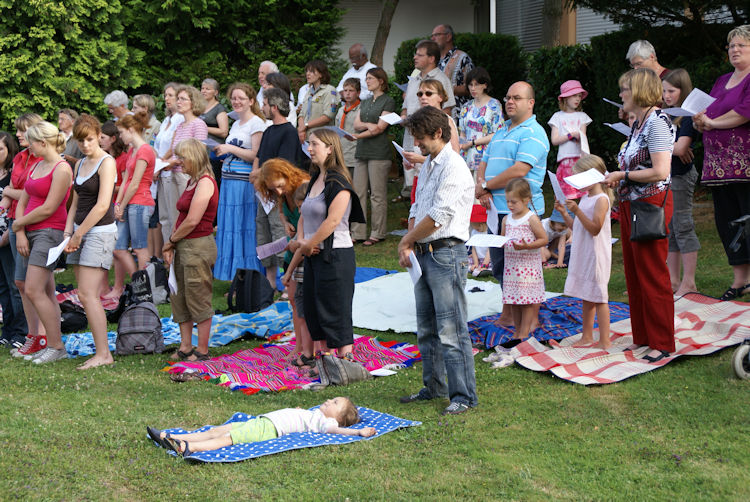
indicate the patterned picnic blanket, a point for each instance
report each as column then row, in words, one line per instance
column 266, row 368
column 706, row 325
column 267, row 323
column 72, row 295
column 560, row 317
column 382, row 422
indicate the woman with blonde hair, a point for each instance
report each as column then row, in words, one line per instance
column 191, row 249
column 145, row 103
column 43, row 206
column 324, row 239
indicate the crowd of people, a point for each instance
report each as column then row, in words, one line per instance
column 202, row 188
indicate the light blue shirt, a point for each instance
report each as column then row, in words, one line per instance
column 526, row 142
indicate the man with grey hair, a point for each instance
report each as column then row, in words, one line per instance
column 117, row 104
column 641, row 54
column 360, row 65
column 264, row 69
column 455, row 63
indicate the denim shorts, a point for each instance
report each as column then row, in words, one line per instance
column 40, row 242
column 134, row 230
column 95, row 250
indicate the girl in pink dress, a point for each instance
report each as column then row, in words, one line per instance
column 591, row 253
column 523, row 282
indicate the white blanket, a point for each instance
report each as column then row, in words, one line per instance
column 387, row 302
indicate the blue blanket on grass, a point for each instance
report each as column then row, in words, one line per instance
column 559, row 317
column 363, row 274
column 277, row 318
column 382, row 422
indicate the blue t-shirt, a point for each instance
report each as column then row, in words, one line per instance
column 526, row 142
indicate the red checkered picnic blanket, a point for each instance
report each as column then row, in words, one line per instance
column 706, row 325
column 72, row 295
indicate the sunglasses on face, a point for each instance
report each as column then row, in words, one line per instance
column 425, row 93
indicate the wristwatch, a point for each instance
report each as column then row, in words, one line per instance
column 484, row 185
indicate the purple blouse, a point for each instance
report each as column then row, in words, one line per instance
column 727, row 151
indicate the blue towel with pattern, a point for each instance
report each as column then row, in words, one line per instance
column 276, row 318
column 559, row 317
column 363, row 274
column 382, row 422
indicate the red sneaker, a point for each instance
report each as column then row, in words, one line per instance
column 34, row 343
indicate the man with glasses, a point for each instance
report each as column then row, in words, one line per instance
column 518, row 150
column 426, row 58
column 641, row 54
column 455, row 63
column 360, row 65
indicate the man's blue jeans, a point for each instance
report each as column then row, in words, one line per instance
column 442, row 333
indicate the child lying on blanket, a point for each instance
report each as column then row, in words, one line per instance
column 332, row 417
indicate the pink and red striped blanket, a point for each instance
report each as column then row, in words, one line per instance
column 704, row 325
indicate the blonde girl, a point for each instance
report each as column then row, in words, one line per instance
column 567, row 127
column 591, row 252
column 523, row 282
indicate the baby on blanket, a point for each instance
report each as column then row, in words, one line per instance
column 332, row 417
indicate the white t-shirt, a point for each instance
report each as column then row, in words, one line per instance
column 163, row 139
column 291, row 420
column 569, row 122
column 361, row 73
column 240, row 134
column 553, row 234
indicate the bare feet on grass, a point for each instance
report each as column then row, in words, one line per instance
column 113, row 293
column 96, row 361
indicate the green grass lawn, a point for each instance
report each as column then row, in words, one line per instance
column 680, row 433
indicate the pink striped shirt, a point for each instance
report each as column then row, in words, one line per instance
column 196, row 129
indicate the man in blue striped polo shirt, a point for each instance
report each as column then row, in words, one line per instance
column 518, row 150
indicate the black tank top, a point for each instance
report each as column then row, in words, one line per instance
column 88, row 193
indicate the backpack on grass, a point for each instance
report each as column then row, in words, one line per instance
column 139, row 330
column 249, row 291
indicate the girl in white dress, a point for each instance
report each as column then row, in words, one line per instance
column 591, row 253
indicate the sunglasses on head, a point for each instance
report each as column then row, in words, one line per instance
column 425, row 93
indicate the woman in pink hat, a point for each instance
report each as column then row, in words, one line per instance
column 568, row 127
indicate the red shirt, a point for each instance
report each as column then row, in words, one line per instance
column 38, row 190
column 142, row 195
column 22, row 163
column 206, row 225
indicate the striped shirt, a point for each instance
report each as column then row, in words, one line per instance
column 527, row 142
column 445, row 193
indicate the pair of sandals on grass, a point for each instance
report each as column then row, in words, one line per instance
column 176, row 445
column 369, row 242
column 179, row 355
column 735, row 293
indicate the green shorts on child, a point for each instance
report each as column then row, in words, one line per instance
column 252, row 431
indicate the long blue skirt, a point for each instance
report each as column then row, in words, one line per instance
column 235, row 233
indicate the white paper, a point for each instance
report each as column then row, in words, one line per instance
column 159, row 165
column 267, row 204
column 402, row 87
column 381, row 372
column 342, row 133
column 696, row 102
column 619, row 127
column 399, row 149
column 55, row 252
column 585, row 144
column 614, row 239
column 493, row 219
column 487, row 241
column 618, row 105
column 210, row 143
column 271, row 248
column 392, row 118
column 233, row 115
column 172, row 281
column 415, row 271
column 305, row 150
column 559, row 194
column 584, row 179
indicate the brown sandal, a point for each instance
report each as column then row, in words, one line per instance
column 371, row 242
column 180, row 355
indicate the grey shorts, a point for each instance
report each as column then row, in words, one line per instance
column 682, row 236
column 95, row 251
column 40, row 242
column 299, row 297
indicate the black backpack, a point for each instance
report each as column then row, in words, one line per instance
column 249, row 291
column 150, row 284
column 72, row 317
column 139, row 330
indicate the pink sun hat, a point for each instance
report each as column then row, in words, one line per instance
column 571, row 88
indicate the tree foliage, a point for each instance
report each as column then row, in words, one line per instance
column 62, row 54
column 680, row 12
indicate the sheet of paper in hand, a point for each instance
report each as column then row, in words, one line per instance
column 487, row 241
column 619, row 127
column 584, row 179
column 559, row 194
column 696, row 102
column 392, row 118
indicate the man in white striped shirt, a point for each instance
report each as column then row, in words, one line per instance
column 438, row 228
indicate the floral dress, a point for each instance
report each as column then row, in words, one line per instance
column 523, row 282
column 475, row 122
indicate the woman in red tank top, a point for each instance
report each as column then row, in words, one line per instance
column 41, row 227
column 191, row 251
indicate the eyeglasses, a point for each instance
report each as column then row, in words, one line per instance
column 636, row 64
column 183, row 98
column 418, row 55
column 736, row 46
column 439, row 33
column 513, row 98
column 425, row 93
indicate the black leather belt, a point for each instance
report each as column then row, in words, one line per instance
column 429, row 247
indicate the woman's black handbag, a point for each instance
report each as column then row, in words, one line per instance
column 647, row 221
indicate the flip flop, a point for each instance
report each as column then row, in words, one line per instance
column 175, row 445
column 371, row 242
column 155, row 434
